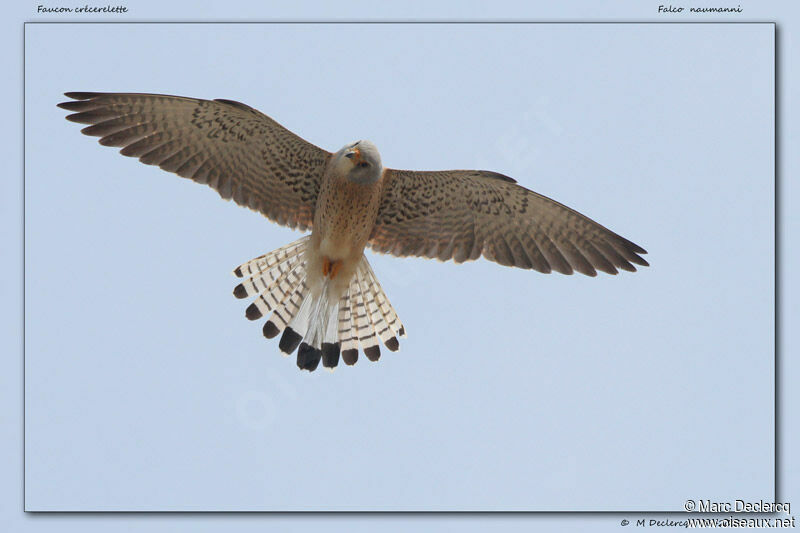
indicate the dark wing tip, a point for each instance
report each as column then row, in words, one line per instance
column 290, row 340
column 330, row 354
column 270, row 330
column 76, row 117
column 308, row 357
column 630, row 245
column 392, row 344
column 71, row 105
column 350, row 356
column 252, row 312
column 81, row 95
column 239, row 291
column 636, row 249
column 373, row 353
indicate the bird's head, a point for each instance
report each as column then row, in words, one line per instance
column 359, row 162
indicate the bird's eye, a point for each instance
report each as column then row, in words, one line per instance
column 363, row 164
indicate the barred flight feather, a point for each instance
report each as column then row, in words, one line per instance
column 387, row 311
column 379, row 325
column 364, row 329
column 266, row 280
column 267, row 261
column 317, row 328
column 347, row 335
column 277, row 293
column 290, row 305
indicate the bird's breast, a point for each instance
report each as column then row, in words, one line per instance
column 345, row 216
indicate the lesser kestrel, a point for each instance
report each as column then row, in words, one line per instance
column 320, row 291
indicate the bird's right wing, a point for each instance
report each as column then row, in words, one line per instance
column 241, row 153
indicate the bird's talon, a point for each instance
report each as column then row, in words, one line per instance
column 330, row 268
column 335, row 266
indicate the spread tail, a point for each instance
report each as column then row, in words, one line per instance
column 317, row 323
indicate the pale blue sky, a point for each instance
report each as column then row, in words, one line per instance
column 515, row 390
column 136, row 348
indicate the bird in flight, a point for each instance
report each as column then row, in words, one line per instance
column 319, row 292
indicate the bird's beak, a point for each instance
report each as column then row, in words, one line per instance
column 355, row 155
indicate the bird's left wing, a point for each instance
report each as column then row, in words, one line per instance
column 463, row 214
column 241, row 153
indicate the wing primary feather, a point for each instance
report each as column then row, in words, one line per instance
column 249, row 157
column 601, row 262
column 463, row 214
